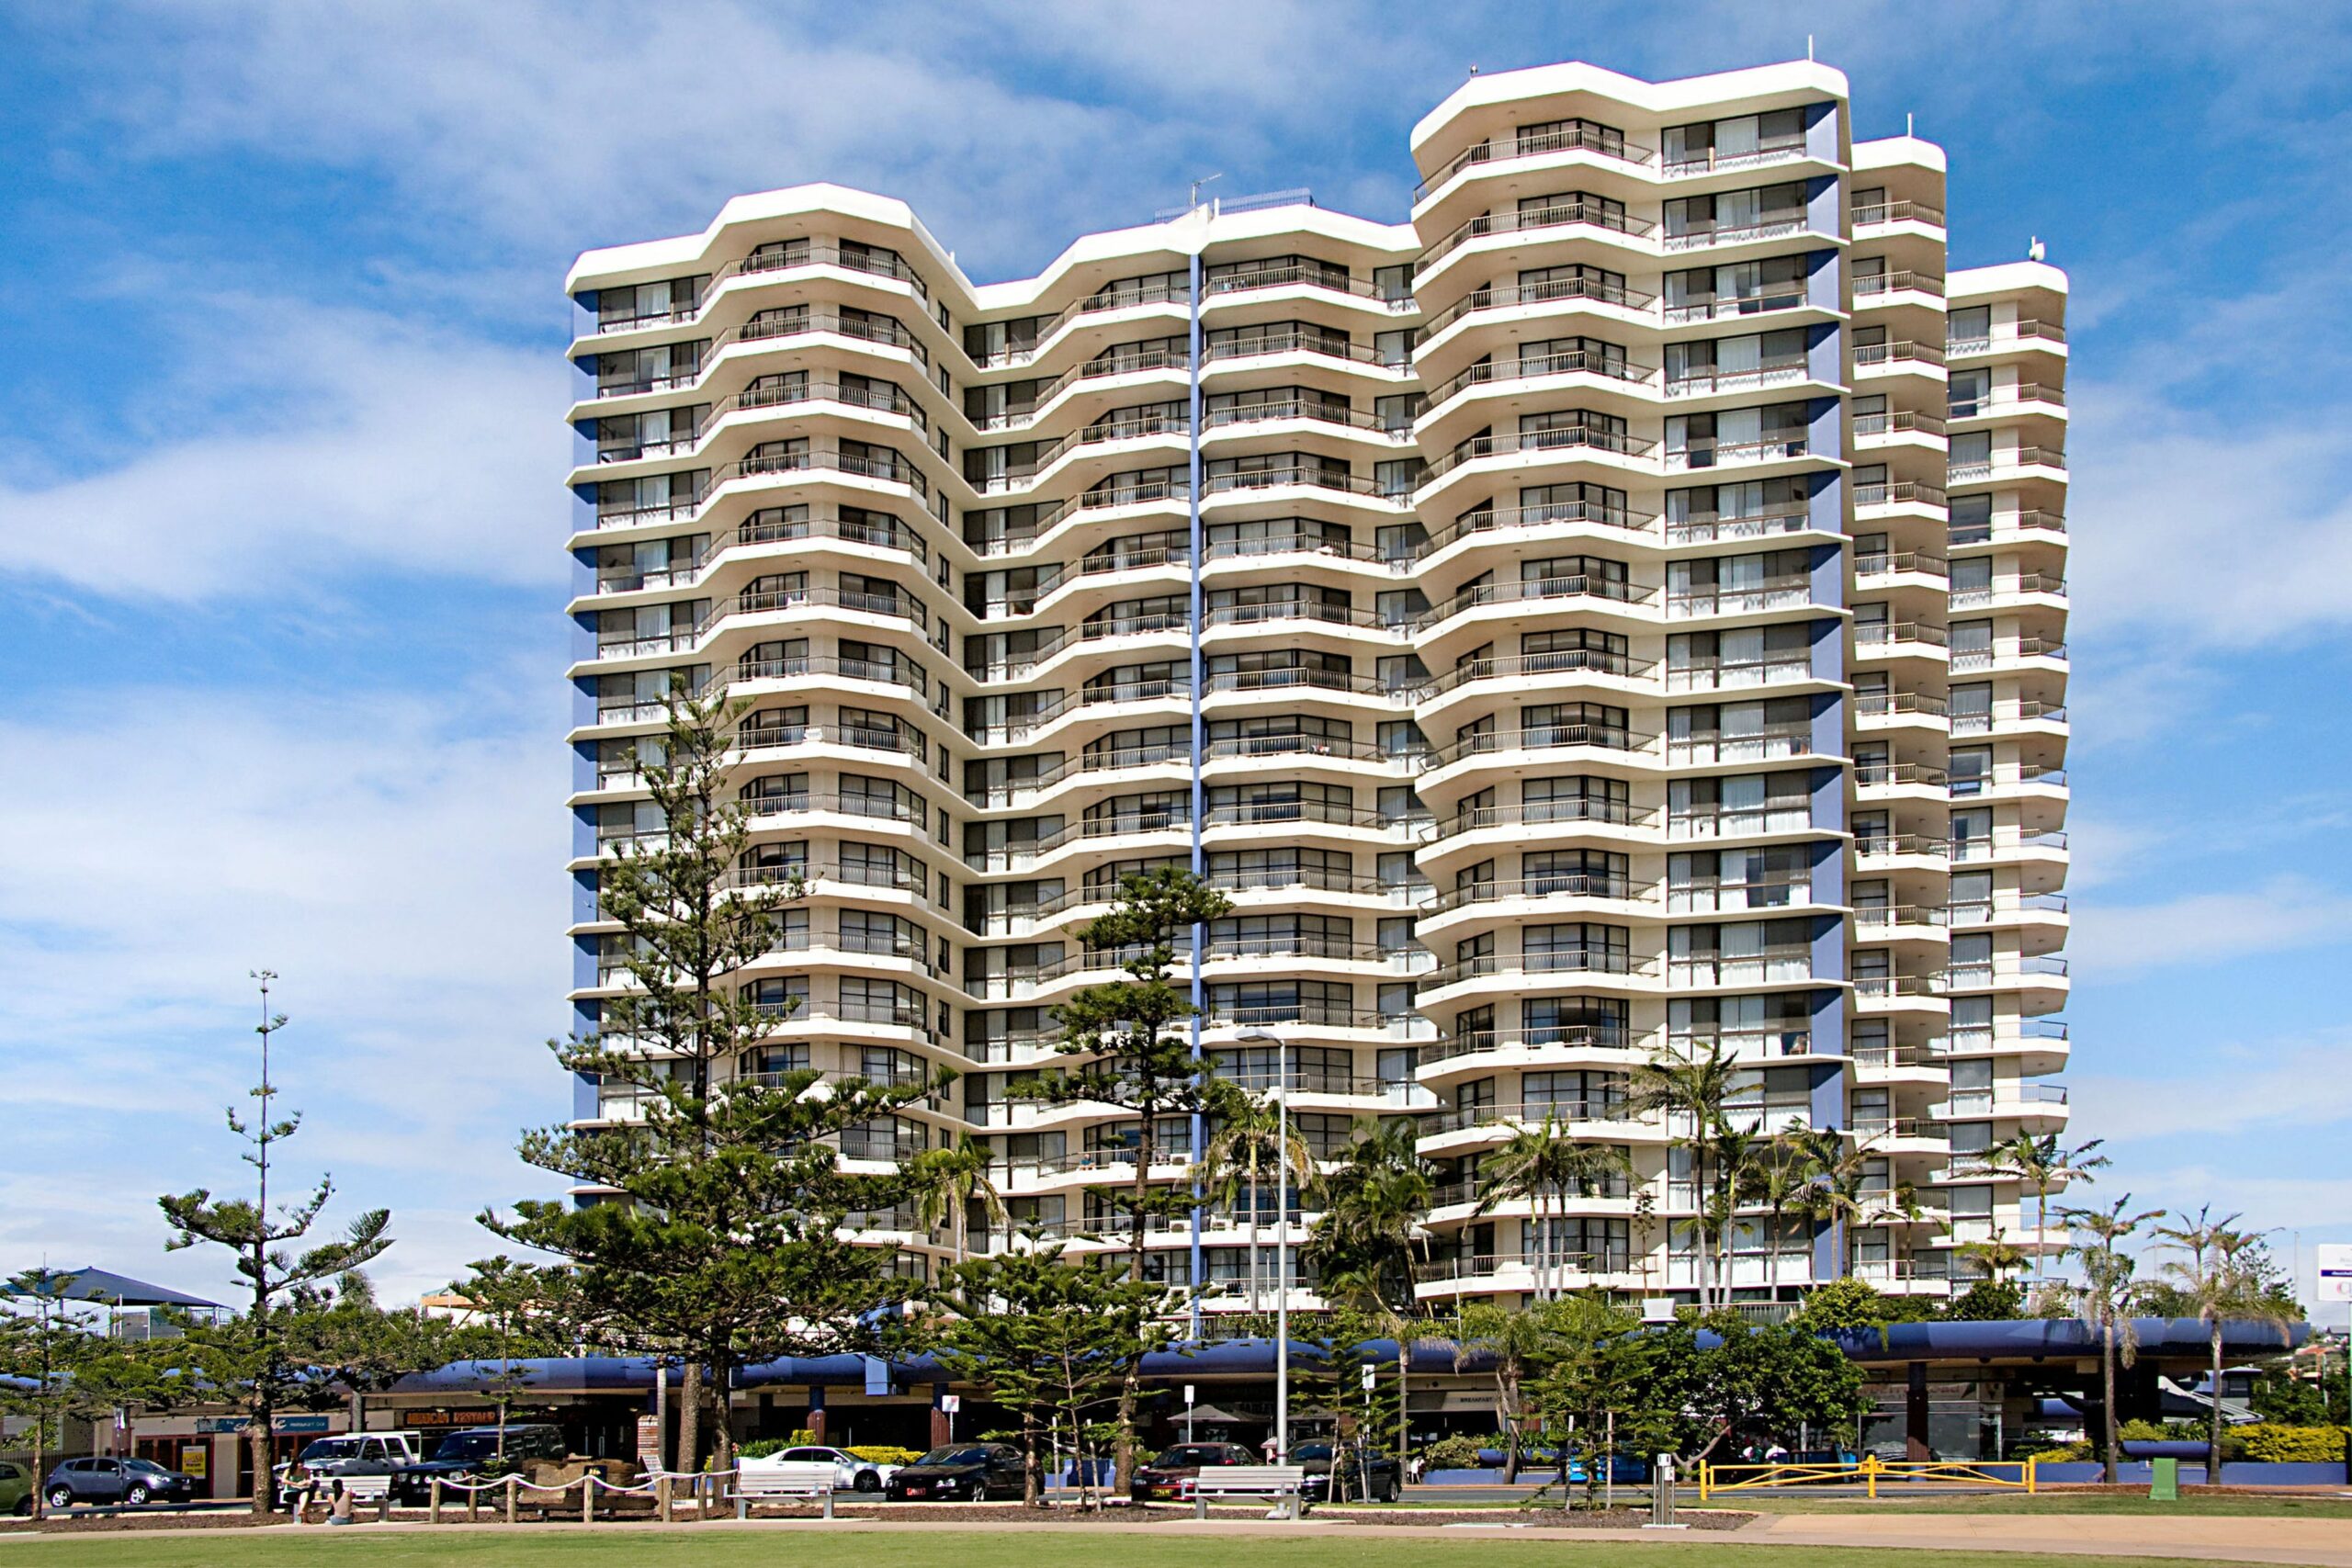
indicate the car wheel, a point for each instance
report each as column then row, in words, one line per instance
column 61, row 1496
column 868, row 1481
column 1393, row 1490
column 24, row 1508
column 136, row 1495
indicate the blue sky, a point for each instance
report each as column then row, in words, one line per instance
column 279, row 491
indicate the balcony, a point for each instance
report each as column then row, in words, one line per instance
column 1530, row 367
column 1878, row 215
column 1874, row 289
column 1595, row 140
column 1574, row 214
column 1489, row 743
column 2024, row 332
column 1507, row 296
column 1614, row 889
column 1509, row 519
column 1747, row 599
column 1541, row 589
column 1567, row 439
column 1733, row 453
column 1568, row 661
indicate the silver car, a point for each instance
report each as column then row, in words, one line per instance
column 851, row 1473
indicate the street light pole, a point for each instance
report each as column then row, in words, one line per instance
column 1282, row 1240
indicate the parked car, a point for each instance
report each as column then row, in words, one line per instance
column 1172, row 1473
column 15, row 1489
column 1388, row 1481
column 849, row 1473
column 352, row 1453
column 137, row 1482
column 963, row 1473
column 471, row 1453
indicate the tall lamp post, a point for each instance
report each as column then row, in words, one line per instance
column 1281, row 1237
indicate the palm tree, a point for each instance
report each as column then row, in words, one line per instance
column 1997, row 1254
column 2044, row 1164
column 2221, row 1274
column 1245, row 1149
column 1691, row 1091
column 1738, row 1149
column 2107, row 1301
column 1839, row 1167
column 947, row 1182
column 1778, row 1179
column 1373, row 1204
column 1517, row 1340
column 1543, row 1165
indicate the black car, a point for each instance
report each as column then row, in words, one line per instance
column 132, row 1481
column 471, row 1453
column 1172, row 1473
column 1353, row 1467
column 962, row 1472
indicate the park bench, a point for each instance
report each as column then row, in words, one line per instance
column 796, row 1480
column 1282, row 1482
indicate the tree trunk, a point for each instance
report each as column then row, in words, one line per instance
column 2214, row 1441
column 1031, row 1483
column 1509, row 1392
column 2107, row 1404
column 258, row 1425
column 690, row 1415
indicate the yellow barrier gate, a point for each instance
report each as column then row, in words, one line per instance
column 1714, row 1479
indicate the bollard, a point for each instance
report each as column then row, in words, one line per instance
column 1662, row 1495
column 514, row 1486
column 662, row 1498
column 384, row 1506
column 588, row 1499
column 433, row 1501
column 473, row 1503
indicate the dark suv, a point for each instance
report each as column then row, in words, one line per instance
column 132, row 1481
column 474, row 1451
column 1353, row 1469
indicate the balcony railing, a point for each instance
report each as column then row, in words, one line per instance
column 1505, row 295
column 1590, row 214
column 1608, row 143
column 1605, row 736
column 1486, row 594
column 1884, row 212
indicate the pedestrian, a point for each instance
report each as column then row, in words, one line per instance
column 1413, row 1468
column 1271, row 1449
column 339, row 1505
column 1776, row 1454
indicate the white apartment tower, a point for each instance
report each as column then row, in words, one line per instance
column 1620, row 608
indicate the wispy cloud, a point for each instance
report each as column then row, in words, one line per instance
column 2280, row 1084
column 349, row 443
column 2112, row 941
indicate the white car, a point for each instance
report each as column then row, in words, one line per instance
column 849, row 1473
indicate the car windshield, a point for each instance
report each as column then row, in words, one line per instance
column 955, row 1456
column 325, row 1448
column 467, row 1444
column 1193, row 1454
column 148, row 1466
column 1311, row 1450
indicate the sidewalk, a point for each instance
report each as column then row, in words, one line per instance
column 2326, row 1543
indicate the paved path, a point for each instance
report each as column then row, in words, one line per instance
column 2326, row 1543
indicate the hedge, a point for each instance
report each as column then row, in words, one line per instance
column 2292, row 1444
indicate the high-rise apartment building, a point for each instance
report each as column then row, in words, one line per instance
column 1620, row 609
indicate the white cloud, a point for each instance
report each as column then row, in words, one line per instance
column 2193, row 533
column 356, row 443
column 2278, row 1085
column 2200, row 929
column 398, row 861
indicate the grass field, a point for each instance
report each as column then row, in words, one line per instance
column 876, row 1546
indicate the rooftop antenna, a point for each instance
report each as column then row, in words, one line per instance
column 1906, row 123
column 2037, row 250
column 1198, row 184
column 1808, row 46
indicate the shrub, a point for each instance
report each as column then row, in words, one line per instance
column 2142, row 1432
column 883, row 1453
column 2293, row 1445
column 1986, row 1302
column 1456, row 1453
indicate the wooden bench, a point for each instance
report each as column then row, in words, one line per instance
column 1282, row 1482
column 797, row 1480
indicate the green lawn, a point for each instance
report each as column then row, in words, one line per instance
column 876, row 1548
column 2051, row 1503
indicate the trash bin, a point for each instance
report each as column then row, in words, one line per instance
column 2164, row 1479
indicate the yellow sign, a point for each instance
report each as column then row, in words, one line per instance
column 193, row 1457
